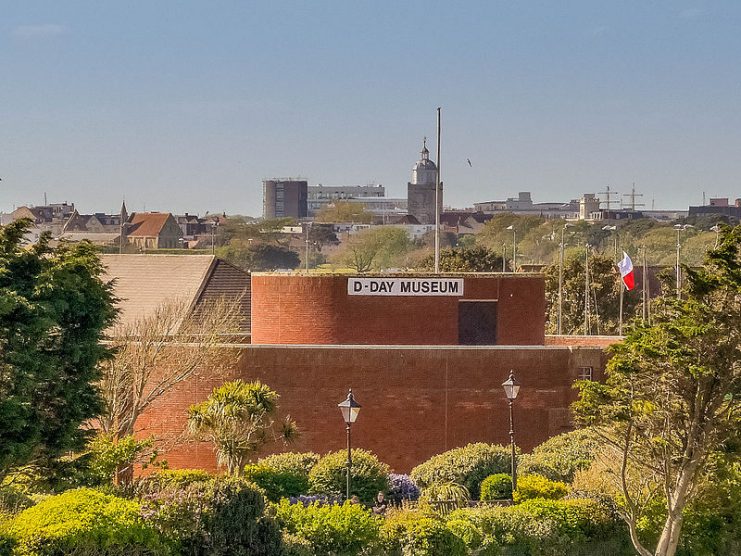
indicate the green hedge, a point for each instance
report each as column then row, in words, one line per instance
column 410, row 533
column 535, row 486
column 276, row 484
column 497, row 487
column 85, row 522
column 545, row 527
column 467, row 466
column 299, row 463
column 219, row 515
column 331, row 529
column 560, row 457
column 369, row 476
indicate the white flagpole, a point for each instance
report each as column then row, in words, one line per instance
column 437, row 200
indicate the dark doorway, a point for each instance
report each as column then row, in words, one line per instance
column 477, row 323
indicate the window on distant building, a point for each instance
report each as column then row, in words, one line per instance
column 585, row 373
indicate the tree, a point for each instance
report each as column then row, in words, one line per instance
column 155, row 353
column 376, row 248
column 472, row 259
column 258, row 256
column 604, row 299
column 239, row 418
column 54, row 308
column 671, row 399
column 344, row 211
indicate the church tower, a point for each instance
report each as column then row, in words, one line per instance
column 421, row 190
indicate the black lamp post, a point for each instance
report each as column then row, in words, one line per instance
column 350, row 409
column 511, row 388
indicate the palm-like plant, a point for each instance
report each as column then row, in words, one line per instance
column 239, row 418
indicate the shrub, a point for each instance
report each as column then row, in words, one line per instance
column 548, row 527
column 535, row 486
column 497, row 487
column 85, row 521
column 308, row 499
column 402, row 487
column 220, row 515
column 293, row 545
column 276, row 483
column 443, row 498
column 13, row 500
column 331, row 529
column 171, row 479
column 369, row 476
column 411, row 533
column 560, row 457
column 296, row 462
column 467, row 466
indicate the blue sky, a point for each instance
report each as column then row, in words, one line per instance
column 187, row 106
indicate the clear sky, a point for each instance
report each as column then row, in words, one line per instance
column 187, row 106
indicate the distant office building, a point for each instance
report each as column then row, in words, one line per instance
column 421, row 190
column 319, row 196
column 285, row 198
column 718, row 207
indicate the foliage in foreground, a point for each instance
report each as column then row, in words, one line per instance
column 535, row 486
column 331, row 529
column 54, row 308
column 85, row 521
column 213, row 516
column 467, row 466
column 671, row 399
column 369, row 476
column 497, row 487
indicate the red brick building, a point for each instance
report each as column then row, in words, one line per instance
column 426, row 364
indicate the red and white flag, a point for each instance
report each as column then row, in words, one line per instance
column 626, row 272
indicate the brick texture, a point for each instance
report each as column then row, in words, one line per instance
column 417, row 402
column 317, row 310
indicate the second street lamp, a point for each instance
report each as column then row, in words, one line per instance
column 511, row 389
column 350, row 409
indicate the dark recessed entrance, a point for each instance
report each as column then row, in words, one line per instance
column 477, row 323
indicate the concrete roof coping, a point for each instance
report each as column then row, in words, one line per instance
column 310, row 274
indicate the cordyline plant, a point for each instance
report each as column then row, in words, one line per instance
column 239, row 418
column 671, row 398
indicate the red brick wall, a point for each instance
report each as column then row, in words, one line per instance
column 417, row 402
column 298, row 309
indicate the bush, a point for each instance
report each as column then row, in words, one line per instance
column 293, row 545
column 547, row 528
column 402, row 487
column 467, row 466
column 560, row 457
column 283, row 475
column 331, row 529
column 13, row 501
column 410, row 533
column 171, row 479
column 217, row 516
column 443, row 498
column 369, row 476
column 277, row 484
column 535, row 486
column 497, row 487
column 85, row 521
column 298, row 463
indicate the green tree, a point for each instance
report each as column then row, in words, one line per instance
column 53, row 310
column 239, row 418
column 376, row 248
column 344, row 211
column 472, row 259
column 671, row 399
column 604, row 298
column 255, row 256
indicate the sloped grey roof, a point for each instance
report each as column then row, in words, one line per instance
column 144, row 282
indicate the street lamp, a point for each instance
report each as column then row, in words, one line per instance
column 680, row 228
column 349, row 409
column 511, row 388
column 609, row 228
column 514, row 247
column 213, row 236
column 560, row 277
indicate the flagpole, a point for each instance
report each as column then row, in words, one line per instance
column 586, row 290
column 622, row 287
column 645, row 291
column 437, row 199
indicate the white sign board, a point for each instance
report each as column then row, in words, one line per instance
column 405, row 286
